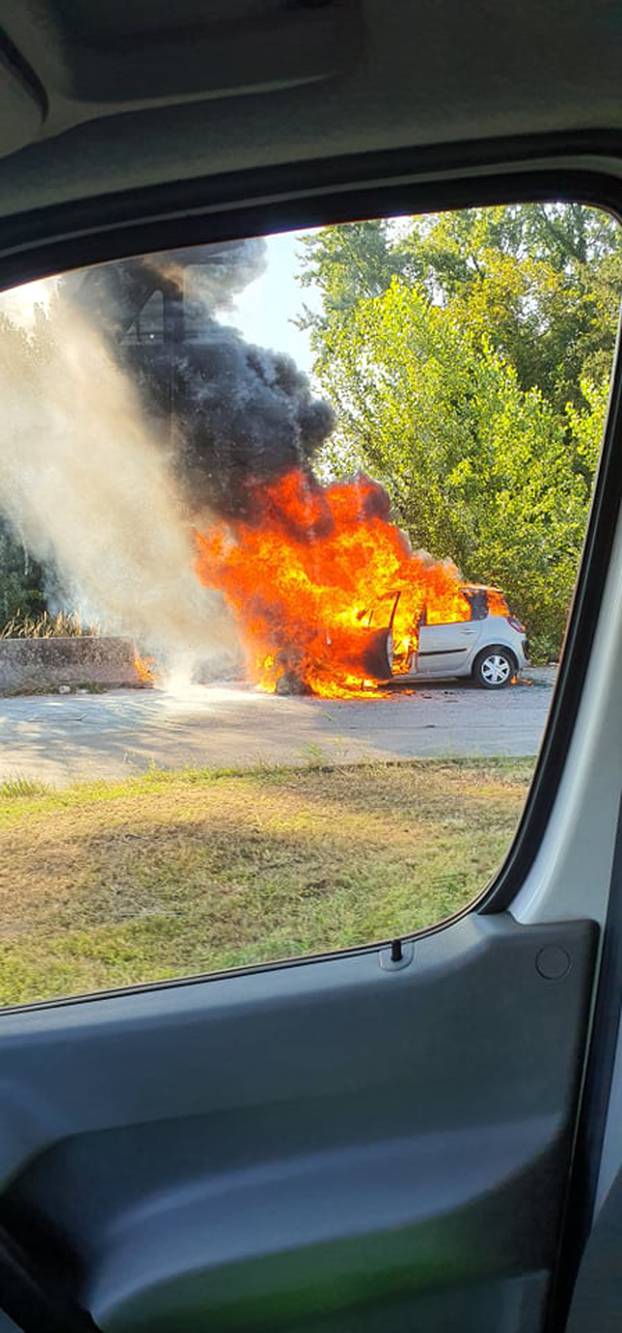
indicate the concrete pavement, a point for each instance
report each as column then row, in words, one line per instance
column 62, row 738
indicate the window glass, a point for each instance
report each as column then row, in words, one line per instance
column 289, row 530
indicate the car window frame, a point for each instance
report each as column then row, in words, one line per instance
column 67, row 237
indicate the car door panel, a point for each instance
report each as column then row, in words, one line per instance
column 314, row 1146
column 596, row 1301
column 445, row 649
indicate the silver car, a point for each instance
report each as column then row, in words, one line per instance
column 490, row 647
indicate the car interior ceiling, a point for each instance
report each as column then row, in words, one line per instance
column 100, row 100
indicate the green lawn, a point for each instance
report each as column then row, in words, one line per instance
column 171, row 874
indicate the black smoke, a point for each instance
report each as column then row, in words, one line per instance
column 234, row 414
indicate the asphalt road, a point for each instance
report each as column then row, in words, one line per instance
column 61, row 738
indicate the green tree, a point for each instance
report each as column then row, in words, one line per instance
column 477, row 467
column 468, row 355
column 586, row 422
column 541, row 282
column 21, row 579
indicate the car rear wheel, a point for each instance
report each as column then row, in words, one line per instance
column 494, row 668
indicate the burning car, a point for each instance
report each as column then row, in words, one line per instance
column 294, row 558
column 489, row 646
column 298, row 580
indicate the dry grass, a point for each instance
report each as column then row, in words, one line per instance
column 173, row 874
column 64, row 625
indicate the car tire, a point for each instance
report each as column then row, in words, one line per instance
column 494, row 667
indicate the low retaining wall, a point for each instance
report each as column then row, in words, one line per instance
column 34, row 665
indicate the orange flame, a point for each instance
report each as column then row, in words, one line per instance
column 326, row 591
column 143, row 667
column 497, row 605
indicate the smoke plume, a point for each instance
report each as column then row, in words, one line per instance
column 130, row 410
column 234, row 414
column 91, row 496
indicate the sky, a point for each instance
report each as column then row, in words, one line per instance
column 265, row 309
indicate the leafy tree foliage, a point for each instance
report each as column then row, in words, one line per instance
column 468, row 356
column 21, row 579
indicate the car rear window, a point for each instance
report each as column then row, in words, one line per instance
column 478, row 602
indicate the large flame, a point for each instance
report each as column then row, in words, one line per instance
column 326, row 591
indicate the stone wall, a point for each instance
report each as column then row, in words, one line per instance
column 33, row 665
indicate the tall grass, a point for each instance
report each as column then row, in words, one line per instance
column 64, row 625
column 22, row 786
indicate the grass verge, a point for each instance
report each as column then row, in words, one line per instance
column 111, row 884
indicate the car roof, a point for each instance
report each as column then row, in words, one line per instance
column 103, row 98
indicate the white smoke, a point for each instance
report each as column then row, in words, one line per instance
column 90, row 492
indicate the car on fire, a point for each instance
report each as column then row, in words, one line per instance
column 490, row 647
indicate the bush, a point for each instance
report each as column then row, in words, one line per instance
column 21, row 580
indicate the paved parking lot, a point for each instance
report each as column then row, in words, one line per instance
column 60, row 738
